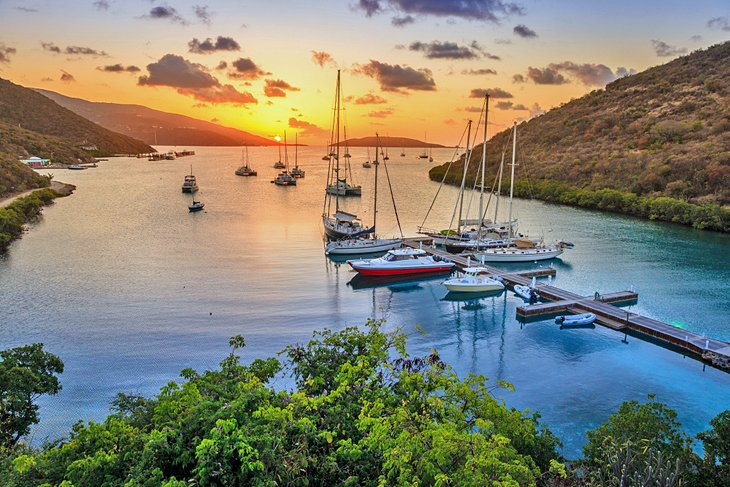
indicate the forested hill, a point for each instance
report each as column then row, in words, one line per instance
column 27, row 110
column 156, row 127
column 664, row 132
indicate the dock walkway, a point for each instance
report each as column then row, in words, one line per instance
column 713, row 351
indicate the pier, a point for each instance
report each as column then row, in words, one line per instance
column 712, row 351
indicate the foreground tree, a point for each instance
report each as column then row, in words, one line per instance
column 26, row 373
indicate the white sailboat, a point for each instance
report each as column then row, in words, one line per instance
column 338, row 224
column 365, row 244
column 296, row 171
column 246, row 169
column 284, row 178
column 524, row 250
column 340, row 186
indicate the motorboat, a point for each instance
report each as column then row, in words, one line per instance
column 402, row 261
column 526, row 292
column 576, row 320
column 473, row 280
column 190, row 184
column 76, row 167
column 196, row 206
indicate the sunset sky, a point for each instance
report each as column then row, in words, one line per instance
column 409, row 66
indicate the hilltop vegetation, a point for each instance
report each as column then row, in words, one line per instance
column 154, row 126
column 662, row 133
column 24, row 108
column 389, row 142
column 16, row 177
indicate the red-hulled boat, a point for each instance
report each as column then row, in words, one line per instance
column 402, row 261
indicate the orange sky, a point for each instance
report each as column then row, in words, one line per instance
column 410, row 67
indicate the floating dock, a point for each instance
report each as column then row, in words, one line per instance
column 712, row 351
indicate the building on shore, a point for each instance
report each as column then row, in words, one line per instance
column 36, row 162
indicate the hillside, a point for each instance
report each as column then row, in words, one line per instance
column 664, row 132
column 16, row 177
column 390, row 142
column 171, row 129
column 23, row 107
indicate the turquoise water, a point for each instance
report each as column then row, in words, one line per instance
column 129, row 288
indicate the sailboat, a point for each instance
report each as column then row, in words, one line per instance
column 363, row 244
column 278, row 164
column 339, row 224
column 296, row 171
column 522, row 249
column 284, row 178
column 245, row 170
column 367, row 164
column 403, row 152
column 424, row 154
column 339, row 186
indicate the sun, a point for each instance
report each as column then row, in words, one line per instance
column 277, row 138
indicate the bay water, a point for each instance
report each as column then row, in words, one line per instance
column 129, row 288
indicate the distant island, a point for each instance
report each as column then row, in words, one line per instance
column 156, row 127
column 401, row 142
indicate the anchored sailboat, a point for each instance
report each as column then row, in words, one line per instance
column 246, row 169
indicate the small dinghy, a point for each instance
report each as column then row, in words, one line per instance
column 576, row 320
column 526, row 292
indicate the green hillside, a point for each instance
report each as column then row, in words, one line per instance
column 24, row 108
column 660, row 135
column 16, row 177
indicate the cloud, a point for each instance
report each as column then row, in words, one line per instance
column 67, row 77
column 46, row 79
column 503, row 41
column 536, row 110
column 696, row 38
column 478, row 72
column 191, row 79
column 5, row 53
column 450, row 50
column 307, row 128
column 166, row 12
column 278, row 88
column 381, row 113
column 118, row 68
column 402, row 21
column 321, row 58
column 26, row 9
column 508, row 105
column 73, row 50
column 222, row 65
column 202, row 13
column 49, row 46
column 524, row 31
column 84, row 51
column 370, row 99
column 246, row 69
column 493, row 93
column 208, row 46
column 546, row 76
column 101, row 5
column 485, row 10
column 519, row 78
column 721, row 23
column 473, row 109
column 662, row 49
column 394, row 77
column 622, row 72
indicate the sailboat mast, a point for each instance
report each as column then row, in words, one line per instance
column 337, row 144
column 512, row 177
column 467, row 157
column 499, row 187
column 375, row 197
column 484, row 163
column 286, row 154
column 296, row 149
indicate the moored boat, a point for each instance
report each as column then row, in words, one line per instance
column 190, row 183
column 245, row 170
column 402, row 261
column 576, row 320
column 473, row 280
column 196, row 206
column 526, row 292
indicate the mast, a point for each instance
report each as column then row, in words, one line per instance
column 484, row 163
column 337, row 144
column 375, row 198
column 512, row 178
column 296, row 150
column 499, row 186
column 286, row 154
column 467, row 156
column 278, row 143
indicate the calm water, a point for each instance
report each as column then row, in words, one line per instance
column 129, row 288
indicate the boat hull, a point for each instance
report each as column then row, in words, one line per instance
column 472, row 288
column 517, row 255
column 365, row 247
column 369, row 271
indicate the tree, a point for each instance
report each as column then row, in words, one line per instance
column 26, row 373
column 715, row 469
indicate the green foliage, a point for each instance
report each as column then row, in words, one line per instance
column 640, row 440
column 714, row 469
column 26, row 373
column 16, row 177
column 363, row 413
column 21, row 211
